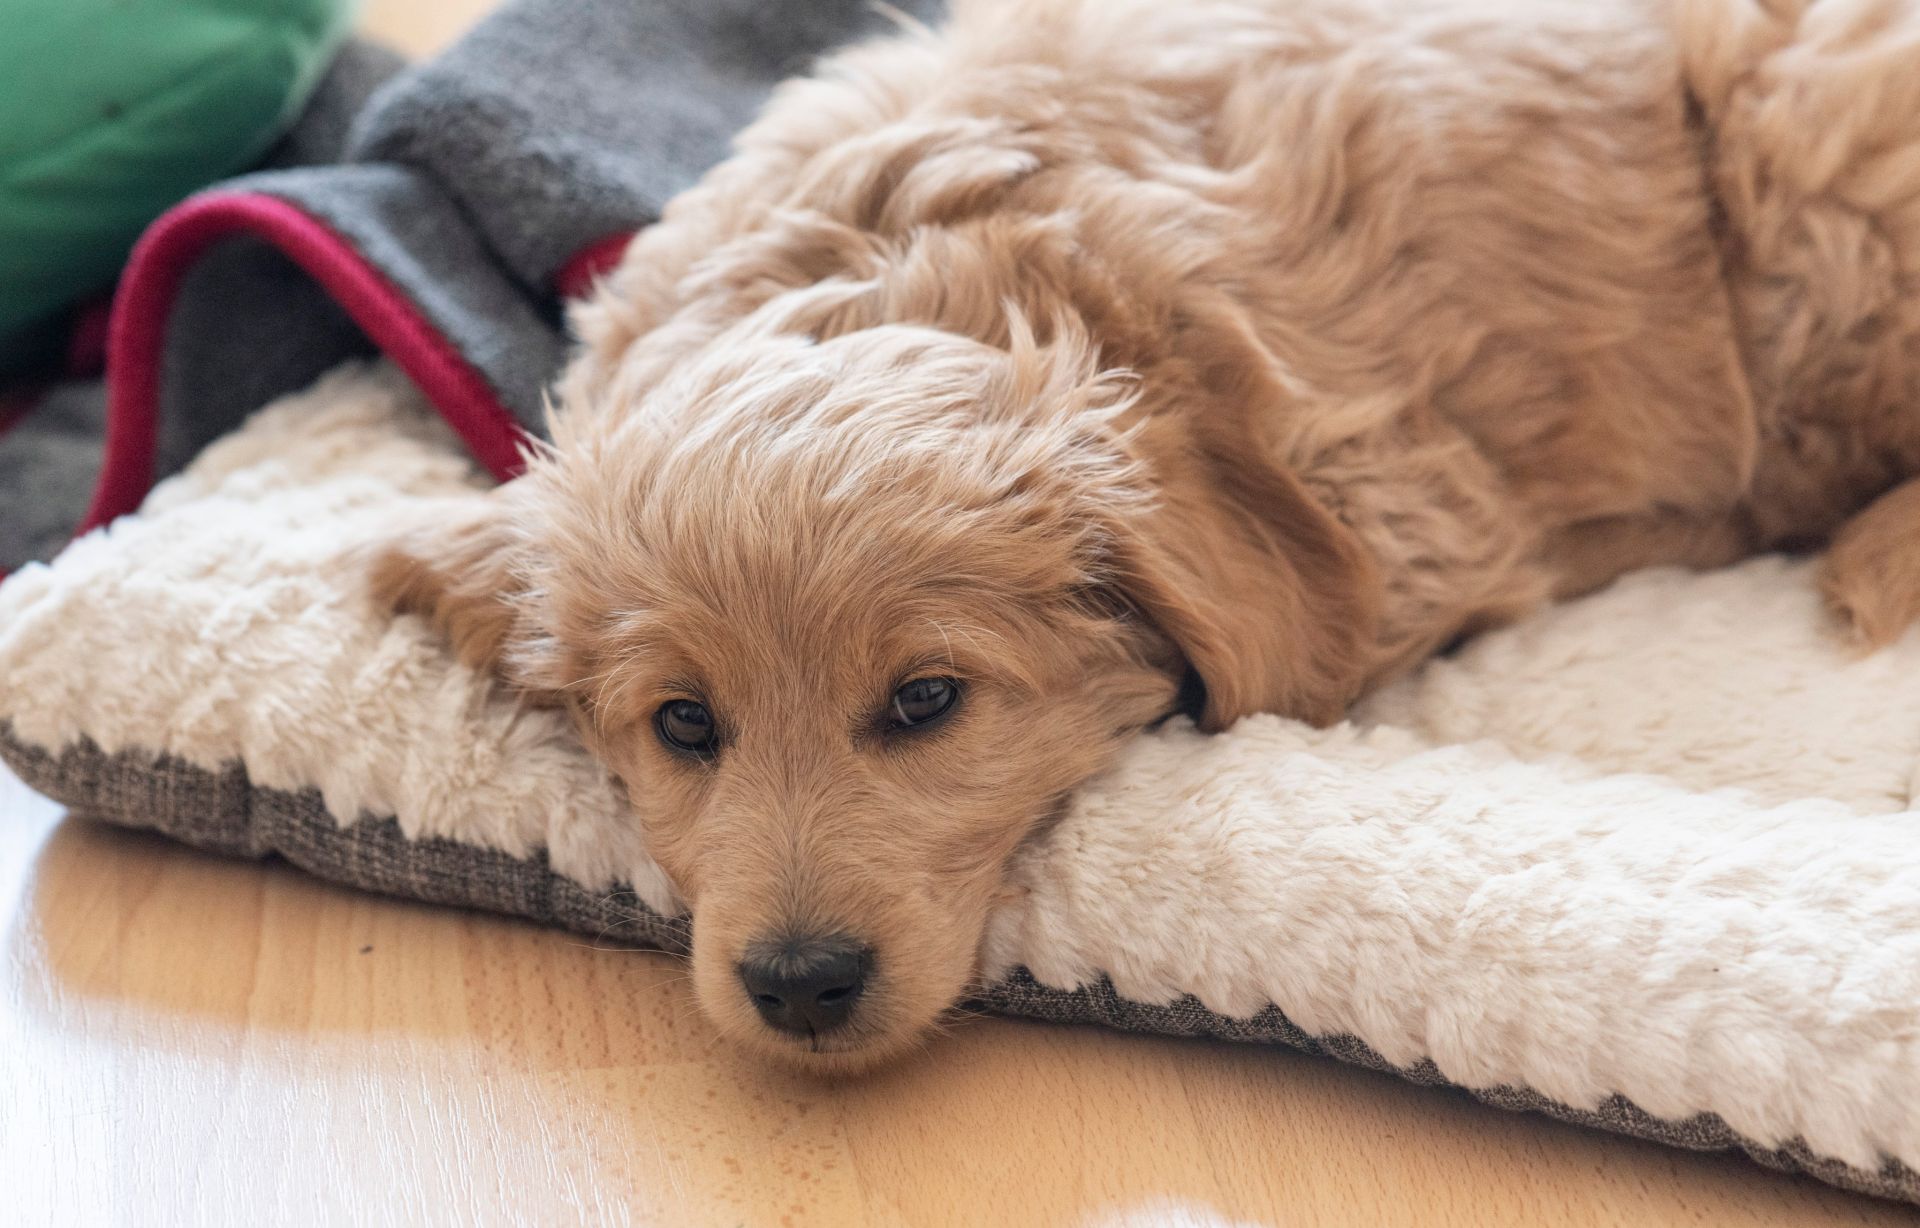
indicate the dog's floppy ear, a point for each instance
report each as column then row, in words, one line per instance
column 1268, row 597
column 1274, row 602
column 460, row 570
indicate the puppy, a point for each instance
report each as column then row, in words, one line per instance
column 1019, row 385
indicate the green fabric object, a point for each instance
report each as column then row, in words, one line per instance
column 113, row 110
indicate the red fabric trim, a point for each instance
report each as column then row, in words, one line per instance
column 160, row 262
column 588, row 265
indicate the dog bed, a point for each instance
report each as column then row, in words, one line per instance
column 1647, row 862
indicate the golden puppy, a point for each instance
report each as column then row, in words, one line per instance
column 1018, row 385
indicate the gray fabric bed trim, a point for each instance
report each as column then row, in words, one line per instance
column 223, row 812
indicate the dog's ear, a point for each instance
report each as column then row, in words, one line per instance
column 1274, row 602
column 461, row 570
column 1270, row 599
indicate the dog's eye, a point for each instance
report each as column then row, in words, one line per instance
column 686, row 726
column 923, row 700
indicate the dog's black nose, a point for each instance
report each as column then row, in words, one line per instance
column 805, row 986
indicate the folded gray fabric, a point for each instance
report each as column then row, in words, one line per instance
column 439, row 223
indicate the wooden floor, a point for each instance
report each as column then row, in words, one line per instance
column 185, row 1040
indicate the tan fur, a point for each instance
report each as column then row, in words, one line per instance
column 1872, row 573
column 1092, row 341
column 454, row 571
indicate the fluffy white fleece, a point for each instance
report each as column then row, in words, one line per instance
column 1657, row 843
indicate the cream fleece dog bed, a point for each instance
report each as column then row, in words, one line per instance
column 1649, row 861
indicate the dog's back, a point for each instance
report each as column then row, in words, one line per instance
column 1658, row 262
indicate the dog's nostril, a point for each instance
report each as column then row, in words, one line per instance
column 805, row 985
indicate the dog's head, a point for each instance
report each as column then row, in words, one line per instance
column 851, row 618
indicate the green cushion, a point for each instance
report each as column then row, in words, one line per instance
column 113, row 110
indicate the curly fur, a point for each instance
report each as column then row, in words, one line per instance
column 1086, row 344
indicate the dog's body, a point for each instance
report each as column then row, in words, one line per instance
column 1093, row 343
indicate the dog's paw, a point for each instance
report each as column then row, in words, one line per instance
column 1870, row 577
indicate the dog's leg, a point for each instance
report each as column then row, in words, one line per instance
column 1593, row 553
column 1871, row 575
